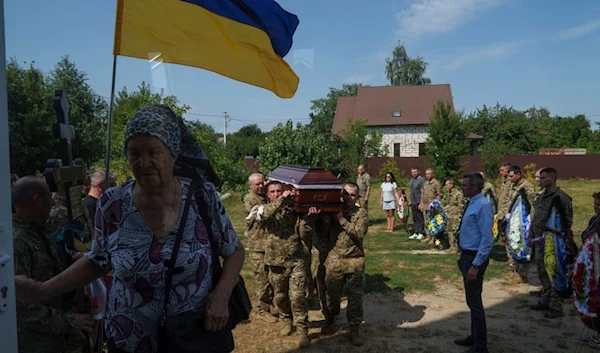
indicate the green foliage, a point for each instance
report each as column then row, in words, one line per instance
column 390, row 166
column 323, row 109
column 301, row 146
column 491, row 160
column 31, row 114
column 401, row 70
column 355, row 143
column 245, row 142
column 447, row 144
column 529, row 172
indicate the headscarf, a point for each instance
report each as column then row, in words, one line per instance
column 160, row 121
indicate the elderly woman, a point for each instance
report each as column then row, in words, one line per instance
column 135, row 229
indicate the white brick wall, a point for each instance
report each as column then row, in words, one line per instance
column 408, row 136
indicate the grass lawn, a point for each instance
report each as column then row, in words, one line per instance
column 392, row 266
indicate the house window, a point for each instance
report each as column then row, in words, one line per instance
column 422, row 151
column 396, row 150
column 396, row 113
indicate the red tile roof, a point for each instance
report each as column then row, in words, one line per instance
column 376, row 104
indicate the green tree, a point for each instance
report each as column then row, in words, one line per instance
column 30, row 118
column 447, row 144
column 356, row 142
column 87, row 110
column 288, row 145
column 401, row 70
column 323, row 109
column 244, row 142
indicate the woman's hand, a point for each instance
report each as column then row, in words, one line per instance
column 28, row 290
column 216, row 312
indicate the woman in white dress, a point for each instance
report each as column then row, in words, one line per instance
column 388, row 199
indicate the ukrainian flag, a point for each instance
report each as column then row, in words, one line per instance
column 245, row 40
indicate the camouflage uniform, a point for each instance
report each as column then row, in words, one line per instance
column 257, row 243
column 346, row 264
column 488, row 189
column 503, row 205
column 320, row 243
column 543, row 206
column 455, row 207
column 43, row 326
column 432, row 190
column 287, row 253
column 522, row 267
column 363, row 182
column 57, row 220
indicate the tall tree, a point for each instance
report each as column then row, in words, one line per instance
column 87, row 110
column 323, row 109
column 401, row 70
column 447, row 144
column 30, row 118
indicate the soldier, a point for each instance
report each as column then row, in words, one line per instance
column 504, row 204
column 551, row 196
column 321, row 245
column 455, row 203
column 518, row 182
column 364, row 184
column 42, row 327
column 287, row 254
column 432, row 190
column 345, row 262
column 489, row 191
column 257, row 243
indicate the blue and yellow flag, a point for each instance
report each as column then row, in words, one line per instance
column 245, row 40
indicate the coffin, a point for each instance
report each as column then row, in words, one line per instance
column 316, row 187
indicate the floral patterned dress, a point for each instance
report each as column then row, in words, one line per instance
column 123, row 243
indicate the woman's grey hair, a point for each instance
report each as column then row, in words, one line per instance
column 475, row 179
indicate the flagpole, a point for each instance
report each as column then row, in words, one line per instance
column 109, row 123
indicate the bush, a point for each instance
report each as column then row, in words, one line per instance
column 391, row 167
column 529, row 172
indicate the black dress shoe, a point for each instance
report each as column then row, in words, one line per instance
column 465, row 342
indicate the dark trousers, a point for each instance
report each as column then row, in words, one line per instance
column 473, row 291
column 418, row 221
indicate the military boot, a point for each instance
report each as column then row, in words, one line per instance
column 304, row 341
column 288, row 328
column 266, row 316
column 328, row 328
column 355, row 337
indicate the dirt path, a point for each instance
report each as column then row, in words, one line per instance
column 395, row 322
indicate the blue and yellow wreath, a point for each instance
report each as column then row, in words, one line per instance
column 436, row 218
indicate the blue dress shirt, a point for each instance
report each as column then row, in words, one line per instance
column 476, row 228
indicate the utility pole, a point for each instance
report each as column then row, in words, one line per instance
column 224, row 128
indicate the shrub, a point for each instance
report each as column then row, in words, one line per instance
column 391, row 167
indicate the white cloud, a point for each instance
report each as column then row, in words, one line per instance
column 578, row 31
column 424, row 17
column 470, row 56
column 359, row 78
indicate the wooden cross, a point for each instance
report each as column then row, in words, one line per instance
column 65, row 171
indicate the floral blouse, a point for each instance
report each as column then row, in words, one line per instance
column 123, row 243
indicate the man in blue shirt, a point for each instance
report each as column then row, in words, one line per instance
column 475, row 240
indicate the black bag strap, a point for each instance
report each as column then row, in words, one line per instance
column 208, row 224
column 178, row 237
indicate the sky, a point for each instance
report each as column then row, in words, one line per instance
column 520, row 53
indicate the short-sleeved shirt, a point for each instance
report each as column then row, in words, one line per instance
column 363, row 181
column 387, row 190
column 416, row 185
column 123, row 243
